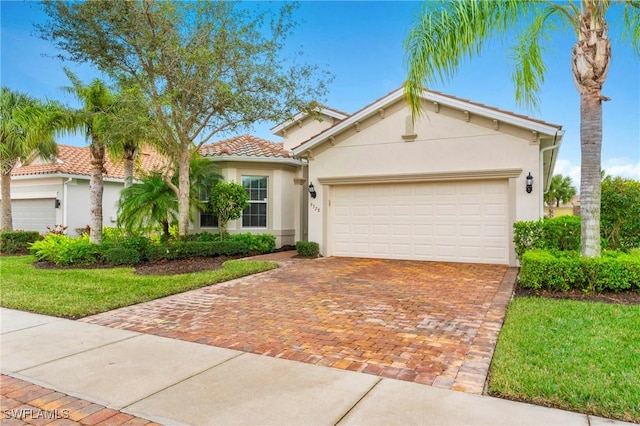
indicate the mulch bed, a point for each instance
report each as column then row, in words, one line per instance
column 622, row 298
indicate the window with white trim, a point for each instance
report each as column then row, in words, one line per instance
column 207, row 219
column 255, row 215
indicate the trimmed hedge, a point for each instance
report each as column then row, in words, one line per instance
column 308, row 248
column 565, row 270
column 184, row 249
column 559, row 233
column 12, row 242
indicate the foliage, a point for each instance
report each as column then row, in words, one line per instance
column 185, row 249
column 308, row 248
column 448, row 32
column 12, row 242
column 75, row 293
column 620, row 214
column 59, row 229
column 560, row 233
column 79, row 251
column 122, row 255
column 204, row 67
column 263, row 243
column 48, row 248
column 26, row 125
column 226, row 202
column 554, row 270
column 561, row 190
column 573, row 355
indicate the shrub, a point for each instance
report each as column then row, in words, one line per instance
column 263, row 243
column 184, row 249
column 564, row 270
column 49, row 247
column 560, row 233
column 227, row 201
column 620, row 213
column 308, row 248
column 12, row 242
column 79, row 251
column 121, row 255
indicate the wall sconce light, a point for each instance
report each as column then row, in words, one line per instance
column 57, row 203
column 312, row 191
column 529, row 183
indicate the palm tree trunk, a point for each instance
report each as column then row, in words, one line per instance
column 590, row 179
column 5, row 183
column 129, row 162
column 96, row 189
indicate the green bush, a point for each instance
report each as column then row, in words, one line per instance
column 564, row 270
column 49, row 247
column 263, row 243
column 620, row 213
column 308, row 248
column 79, row 251
column 559, row 233
column 121, row 255
column 184, row 249
column 12, row 242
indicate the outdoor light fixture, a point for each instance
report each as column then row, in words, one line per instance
column 57, row 203
column 312, row 191
column 529, row 183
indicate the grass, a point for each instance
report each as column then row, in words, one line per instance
column 75, row 293
column 579, row 356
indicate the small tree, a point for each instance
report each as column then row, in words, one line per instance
column 227, row 201
column 621, row 212
column 561, row 190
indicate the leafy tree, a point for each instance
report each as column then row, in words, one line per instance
column 205, row 68
column 447, row 32
column 561, row 190
column 97, row 103
column 227, row 201
column 27, row 127
column 621, row 212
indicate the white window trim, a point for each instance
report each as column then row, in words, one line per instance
column 265, row 202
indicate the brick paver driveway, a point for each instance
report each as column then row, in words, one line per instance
column 427, row 322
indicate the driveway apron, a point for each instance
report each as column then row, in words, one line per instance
column 428, row 322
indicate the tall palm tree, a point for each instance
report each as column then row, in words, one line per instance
column 561, row 190
column 27, row 127
column 97, row 102
column 448, row 32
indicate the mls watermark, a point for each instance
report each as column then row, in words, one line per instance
column 35, row 414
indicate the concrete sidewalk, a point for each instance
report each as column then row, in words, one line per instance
column 176, row 382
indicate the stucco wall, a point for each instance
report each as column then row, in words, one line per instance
column 445, row 143
column 78, row 210
column 281, row 219
column 305, row 129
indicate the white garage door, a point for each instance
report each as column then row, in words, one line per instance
column 460, row 221
column 33, row 214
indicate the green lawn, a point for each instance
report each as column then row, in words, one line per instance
column 75, row 293
column 579, row 356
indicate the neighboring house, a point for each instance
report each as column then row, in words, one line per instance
column 47, row 193
column 375, row 184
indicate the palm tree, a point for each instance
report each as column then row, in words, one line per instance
column 448, row 32
column 97, row 102
column 151, row 203
column 27, row 127
column 561, row 190
column 148, row 204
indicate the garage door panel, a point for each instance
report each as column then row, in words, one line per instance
column 447, row 221
column 33, row 214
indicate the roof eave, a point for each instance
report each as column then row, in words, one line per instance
column 276, row 130
column 248, row 159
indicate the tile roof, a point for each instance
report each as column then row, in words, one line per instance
column 245, row 146
column 73, row 160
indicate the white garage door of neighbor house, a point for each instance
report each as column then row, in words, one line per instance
column 33, row 214
column 456, row 221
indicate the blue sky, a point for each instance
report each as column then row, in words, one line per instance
column 361, row 43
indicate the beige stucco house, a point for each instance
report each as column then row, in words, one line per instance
column 447, row 187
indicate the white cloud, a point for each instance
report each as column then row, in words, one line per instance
column 618, row 166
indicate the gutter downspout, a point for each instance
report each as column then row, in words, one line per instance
column 545, row 189
column 65, row 210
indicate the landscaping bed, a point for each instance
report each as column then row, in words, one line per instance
column 622, row 298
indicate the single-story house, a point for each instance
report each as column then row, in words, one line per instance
column 447, row 186
column 45, row 193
